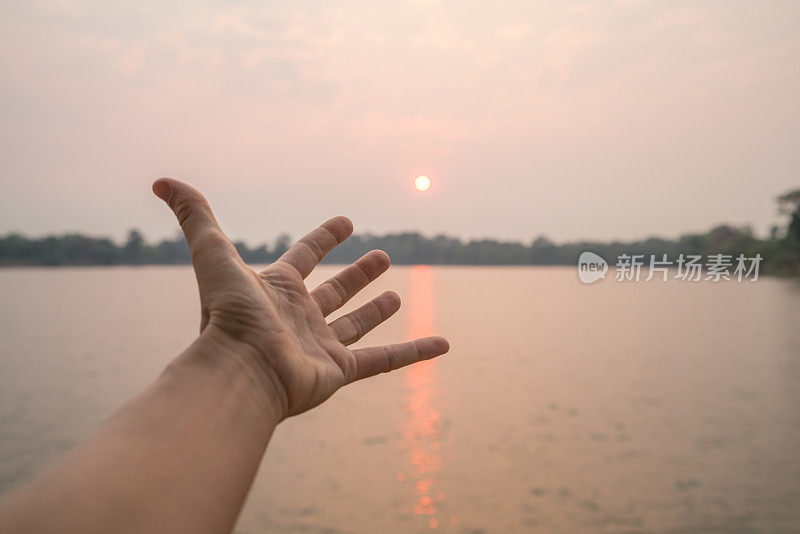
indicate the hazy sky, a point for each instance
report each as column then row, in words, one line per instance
column 570, row 119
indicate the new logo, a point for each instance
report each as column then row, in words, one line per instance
column 591, row 267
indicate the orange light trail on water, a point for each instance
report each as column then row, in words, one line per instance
column 422, row 427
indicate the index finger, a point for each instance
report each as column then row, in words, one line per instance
column 309, row 251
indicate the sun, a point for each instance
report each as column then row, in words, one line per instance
column 422, row 183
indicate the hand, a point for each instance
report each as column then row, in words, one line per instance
column 274, row 324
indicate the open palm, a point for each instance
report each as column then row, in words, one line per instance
column 275, row 322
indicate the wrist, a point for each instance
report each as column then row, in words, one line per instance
column 234, row 370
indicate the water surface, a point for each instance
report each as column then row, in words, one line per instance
column 615, row 407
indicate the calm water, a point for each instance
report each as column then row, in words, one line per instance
column 643, row 407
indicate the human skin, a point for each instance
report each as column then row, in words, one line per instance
column 181, row 456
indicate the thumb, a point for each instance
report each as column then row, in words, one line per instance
column 207, row 243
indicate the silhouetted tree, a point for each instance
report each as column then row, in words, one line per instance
column 282, row 244
column 132, row 252
column 789, row 204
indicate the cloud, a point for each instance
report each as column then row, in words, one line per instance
column 570, row 91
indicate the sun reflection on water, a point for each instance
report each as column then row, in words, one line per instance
column 422, row 425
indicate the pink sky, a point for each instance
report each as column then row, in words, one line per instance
column 570, row 119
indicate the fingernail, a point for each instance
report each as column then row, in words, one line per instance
column 162, row 190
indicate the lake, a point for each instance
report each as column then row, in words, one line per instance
column 562, row 407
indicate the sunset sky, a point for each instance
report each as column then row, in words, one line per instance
column 569, row 119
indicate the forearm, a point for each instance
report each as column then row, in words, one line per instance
column 180, row 457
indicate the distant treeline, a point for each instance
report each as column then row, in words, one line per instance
column 781, row 251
